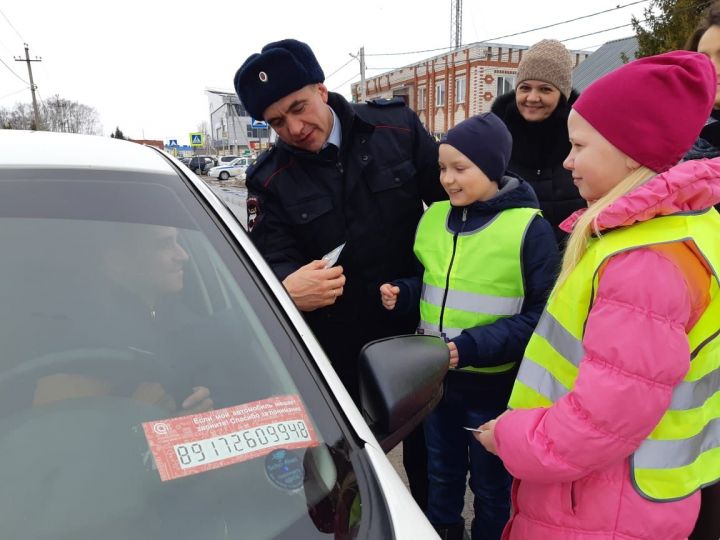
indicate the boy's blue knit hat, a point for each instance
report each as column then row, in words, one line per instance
column 485, row 140
column 281, row 68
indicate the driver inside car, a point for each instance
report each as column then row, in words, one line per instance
column 136, row 307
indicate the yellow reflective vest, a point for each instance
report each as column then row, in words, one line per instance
column 470, row 279
column 682, row 454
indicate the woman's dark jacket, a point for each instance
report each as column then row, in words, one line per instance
column 707, row 144
column 539, row 149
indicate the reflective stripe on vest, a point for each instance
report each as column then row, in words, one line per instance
column 470, row 279
column 682, row 454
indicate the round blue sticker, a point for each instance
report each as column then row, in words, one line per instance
column 284, row 468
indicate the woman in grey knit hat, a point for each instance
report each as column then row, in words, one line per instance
column 536, row 114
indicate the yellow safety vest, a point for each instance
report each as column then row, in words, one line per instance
column 470, row 279
column 682, row 454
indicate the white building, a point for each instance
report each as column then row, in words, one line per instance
column 231, row 126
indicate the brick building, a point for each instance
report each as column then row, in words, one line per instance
column 450, row 87
column 150, row 142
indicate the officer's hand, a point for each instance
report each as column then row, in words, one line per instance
column 389, row 294
column 198, row 401
column 313, row 286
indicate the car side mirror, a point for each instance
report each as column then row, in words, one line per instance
column 401, row 380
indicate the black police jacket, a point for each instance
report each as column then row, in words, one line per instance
column 369, row 195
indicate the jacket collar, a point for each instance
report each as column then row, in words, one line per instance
column 690, row 186
column 349, row 120
column 514, row 193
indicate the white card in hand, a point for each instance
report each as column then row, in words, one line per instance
column 332, row 256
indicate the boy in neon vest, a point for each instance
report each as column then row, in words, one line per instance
column 488, row 261
column 615, row 420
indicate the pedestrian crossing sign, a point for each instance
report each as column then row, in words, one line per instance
column 197, row 139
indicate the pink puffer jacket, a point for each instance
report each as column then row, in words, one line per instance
column 571, row 461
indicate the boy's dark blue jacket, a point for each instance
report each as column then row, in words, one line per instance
column 505, row 339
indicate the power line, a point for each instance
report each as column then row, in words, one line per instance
column 569, row 21
column 490, row 57
column 700, row 7
column 4, row 46
column 13, row 93
column 598, row 32
column 341, row 67
column 11, row 25
column 11, row 71
column 519, row 33
column 345, row 82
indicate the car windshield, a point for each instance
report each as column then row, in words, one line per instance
column 150, row 385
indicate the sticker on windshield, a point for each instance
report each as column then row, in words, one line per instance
column 201, row 442
column 284, row 468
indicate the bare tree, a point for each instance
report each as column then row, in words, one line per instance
column 70, row 116
column 58, row 114
column 19, row 117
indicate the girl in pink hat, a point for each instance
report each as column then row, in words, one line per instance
column 614, row 420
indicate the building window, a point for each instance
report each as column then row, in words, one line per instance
column 505, row 83
column 440, row 93
column 257, row 133
column 460, row 89
column 421, row 98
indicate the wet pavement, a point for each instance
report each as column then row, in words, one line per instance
column 231, row 192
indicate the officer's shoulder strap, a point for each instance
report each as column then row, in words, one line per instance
column 384, row 102
column 260, row 162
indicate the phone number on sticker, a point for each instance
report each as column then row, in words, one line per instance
column 234, row 444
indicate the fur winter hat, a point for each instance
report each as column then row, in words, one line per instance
column 281, row 68
column 652, row 109
column 548, row 61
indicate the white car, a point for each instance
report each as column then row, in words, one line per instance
column 157, row 382
column 236, row 167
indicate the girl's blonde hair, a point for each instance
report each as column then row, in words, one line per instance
column 587, row 224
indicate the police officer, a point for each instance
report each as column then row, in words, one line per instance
column 341, row 173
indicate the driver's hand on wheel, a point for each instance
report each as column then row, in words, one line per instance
column 198, row 401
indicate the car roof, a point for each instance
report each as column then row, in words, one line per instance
column 47, row 150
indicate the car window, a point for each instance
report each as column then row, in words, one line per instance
column 149, row 386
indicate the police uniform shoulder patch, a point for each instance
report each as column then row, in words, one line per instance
column 253, row 211
column 383, row 102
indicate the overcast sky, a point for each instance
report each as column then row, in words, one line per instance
column 144, row 65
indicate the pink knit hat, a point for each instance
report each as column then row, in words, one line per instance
column 653, row 108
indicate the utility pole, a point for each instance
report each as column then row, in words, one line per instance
column 32, row 83
column 456, row 23
column 363, row 93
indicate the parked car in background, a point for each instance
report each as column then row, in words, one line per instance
column 226, row 159
column 156, row 380
column 201, row 164
column 236, row 167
